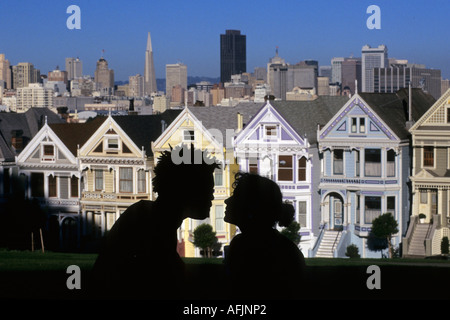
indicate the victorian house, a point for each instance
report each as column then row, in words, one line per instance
column 50, row 168
column 116, row 168
column 209, row 129
column 430, row 179
column 280, row 143
column 365, row 168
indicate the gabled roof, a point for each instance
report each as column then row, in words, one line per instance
column 223, row 118
column 305, row 116
column 393, row 107
column 143, row 129
column 29, row 123
column 76, row 134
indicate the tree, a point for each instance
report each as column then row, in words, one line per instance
column 384, row 227
column 205, row 238
column 352, row 251
column 292, row 232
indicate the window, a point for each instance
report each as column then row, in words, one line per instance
column 74, row 186
column 141, row 181
column 126, row 179
column 98, row 179
column 354, row 125
column 372, row 163
column 390, row 205
column 448, row 115
column 253, row 165
column 433, row 195
column 358, row 203
column 362, row 125
column 52, row 187
column 271, row 132
column 49, row 150
column 338, row 161
column 302, row 169
column 302, row 213
column 390, row 164
column 428, row 156
column 188, row 135
column 357, row 164
column 113, row 143
column 372, row 209
column 218, row 177
column 285, row 168
column 423, row 196
column 220, row 224
column 37, row 184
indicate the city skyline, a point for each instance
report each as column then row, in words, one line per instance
column 190, row 33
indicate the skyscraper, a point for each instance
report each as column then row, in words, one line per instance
column 104, row 76
column 74, row 68
column 5, row 71
column 176, row 74
column 149, row 72
column 23, row 74
column 233, row 54
column 372, row 58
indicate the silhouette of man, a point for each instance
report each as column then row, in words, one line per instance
column 139, row 255
column 260, row 261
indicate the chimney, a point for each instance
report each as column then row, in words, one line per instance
column 410, row 121
column 17, row 139
column 240, row 122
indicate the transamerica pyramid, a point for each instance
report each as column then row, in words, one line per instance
column 149, row 72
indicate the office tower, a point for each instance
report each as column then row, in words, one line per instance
column 351, row 74
column 57, row 75
column 74, row 68
column 104, row 76
column 445, row 85
column 23, row 74
column 233, row 54
column 325, row 71
column 372, row 58
column 149, row 72
column 396, row 77
column 136, row 86
column 176, row 74
column 283, row 77
column 336, row 69
column 5, row 71
column 33, row 95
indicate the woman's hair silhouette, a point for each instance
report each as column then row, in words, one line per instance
column 257, row 203
column 260, row 261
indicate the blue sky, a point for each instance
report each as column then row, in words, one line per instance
column 188, row 31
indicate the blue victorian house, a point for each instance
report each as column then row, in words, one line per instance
column 365, row 156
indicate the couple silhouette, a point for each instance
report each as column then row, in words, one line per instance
column 139, row 259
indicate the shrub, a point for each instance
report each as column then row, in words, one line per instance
column 444, row 245
column 352, row 251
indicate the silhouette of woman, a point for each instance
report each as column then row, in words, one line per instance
column 261, row 262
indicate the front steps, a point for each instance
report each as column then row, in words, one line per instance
column 330, row 238
column 416, row 247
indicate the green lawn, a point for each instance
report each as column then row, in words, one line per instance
column 30, row 275
column 11, row 260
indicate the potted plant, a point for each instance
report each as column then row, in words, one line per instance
column 422, row 218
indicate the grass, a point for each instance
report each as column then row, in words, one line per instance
column 11, row 260
column 30, row 275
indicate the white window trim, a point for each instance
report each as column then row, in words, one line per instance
column 48, row 158
column 183, row 135
column 275, row 137
column 423, row 158
column 108, row 148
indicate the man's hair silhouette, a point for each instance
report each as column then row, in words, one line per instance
column 139, row 255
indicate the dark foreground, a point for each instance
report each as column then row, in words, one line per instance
column 206, row 283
